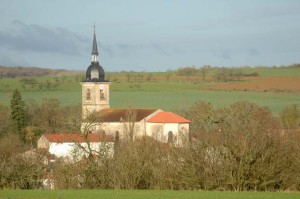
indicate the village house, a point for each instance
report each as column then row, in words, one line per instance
column 73, row 147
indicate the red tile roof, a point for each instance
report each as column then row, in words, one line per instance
column 115, row 114
column 76, row 137
column 167, row 117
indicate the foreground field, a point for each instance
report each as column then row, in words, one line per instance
column 145, row 194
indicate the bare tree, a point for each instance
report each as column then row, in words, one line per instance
column 204, row 69
column 17, row 169
column 129, row 124
column 290, row 117
column 5, row 122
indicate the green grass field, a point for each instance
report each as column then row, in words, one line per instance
column 144, row 194
column 173, row 101
column 274, row 72
column 170, row 100
column 167, row 96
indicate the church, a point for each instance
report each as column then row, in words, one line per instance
column 103, row 125
column 130, row 123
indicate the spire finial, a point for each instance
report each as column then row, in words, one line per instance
column 94, row 28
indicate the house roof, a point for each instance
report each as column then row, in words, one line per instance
column 76, row 137
column 167, row 117
column 119, row 114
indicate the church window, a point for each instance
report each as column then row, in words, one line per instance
column 117, row 136
column 102, row 97
column 170, row 137
column 88, row 94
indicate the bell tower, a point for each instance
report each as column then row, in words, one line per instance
column 95, row 89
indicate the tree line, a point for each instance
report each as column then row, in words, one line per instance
column 220, row 74
column 242, row 147
column 18, row 71
column 30, row 119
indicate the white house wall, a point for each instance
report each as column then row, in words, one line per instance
column 71, row 150
column 61, row 149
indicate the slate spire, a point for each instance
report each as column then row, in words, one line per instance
column 95, row 72
column 95, row 49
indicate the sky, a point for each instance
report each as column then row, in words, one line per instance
column 149, row 35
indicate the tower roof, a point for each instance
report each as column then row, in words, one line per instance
column 95, row 72
column 95, row 49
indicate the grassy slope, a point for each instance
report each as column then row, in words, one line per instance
column 181, row 99
column 170, row 100
column 132, row 194
column 167, row 96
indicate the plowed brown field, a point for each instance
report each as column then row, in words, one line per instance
column 275, row 84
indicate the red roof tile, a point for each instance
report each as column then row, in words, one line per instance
column 115, row 114
column 76, row 137
column 167, row 117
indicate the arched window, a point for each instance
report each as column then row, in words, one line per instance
column 117, row 136
column 102, row 97
column 170, row 137
column 88, row 94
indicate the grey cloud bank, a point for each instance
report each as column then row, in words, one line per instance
column 150, row 35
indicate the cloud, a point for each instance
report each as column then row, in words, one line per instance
column 37, row 38
column 158, row 48
column 128, row 49
column 226, row 54
column 253, row 52
column 6, row 60
column 107, row 49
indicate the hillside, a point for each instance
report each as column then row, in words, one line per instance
column 273, row 87
column 17, row 71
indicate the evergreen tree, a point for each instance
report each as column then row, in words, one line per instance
column 18, row 113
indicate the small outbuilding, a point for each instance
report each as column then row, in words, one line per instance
column 74, row 146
